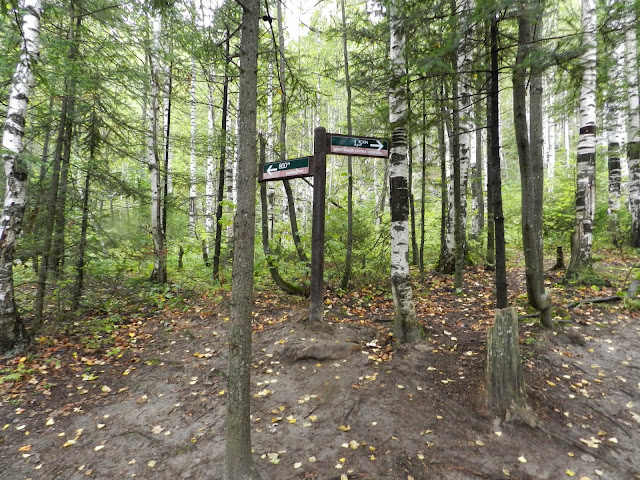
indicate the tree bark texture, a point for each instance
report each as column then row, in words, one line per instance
column 614, row 147
column 503, row 368
column 209, row 174
column 445, row 263
column 12, row 332
column 582, row 240
column 159, row 273
column 238, row 459
column 494, row 174
column 530, row 156
column 193, row 166
column 633, row 126
column 217, row 249
column 406, row 327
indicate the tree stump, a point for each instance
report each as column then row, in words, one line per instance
column 503, row 370
column 559, row 259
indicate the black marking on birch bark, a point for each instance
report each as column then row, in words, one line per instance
column 588, row 129
column 399, row 199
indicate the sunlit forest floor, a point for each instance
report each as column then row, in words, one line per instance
column 140, row 391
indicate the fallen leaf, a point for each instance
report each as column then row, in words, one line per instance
column 344, row 428
column 297, row 465
column 571, row 473
column 521, row 459
column 151, row 464
column 157, row 429
column 98, row 447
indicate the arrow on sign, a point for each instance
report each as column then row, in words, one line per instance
column 271, row 169
column 377, row 144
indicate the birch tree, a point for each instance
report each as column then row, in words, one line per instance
column 159, row 273
column 193, row 166
column 406, row 327
column 614, row 145
column 12, row 332
column 582, row 239
column 633, row 125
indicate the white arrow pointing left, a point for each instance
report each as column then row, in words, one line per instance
column 271, row 169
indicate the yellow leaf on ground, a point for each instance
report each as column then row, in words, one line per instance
column 344, row 428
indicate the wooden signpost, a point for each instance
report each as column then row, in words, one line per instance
column 323, row 143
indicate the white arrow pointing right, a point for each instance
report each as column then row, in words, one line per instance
column 378, row 145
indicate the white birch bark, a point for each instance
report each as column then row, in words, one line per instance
column 586, row 175
column 405, row 321
column 12, row 331
column 209, row 175
column 633, row 126
column 466, row 119
column 157, row 229
column 167, row 146
column 193, row 166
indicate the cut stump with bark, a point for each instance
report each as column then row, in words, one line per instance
column 503, row 370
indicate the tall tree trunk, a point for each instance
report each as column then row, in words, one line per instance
column 348, row 259
column 477, row 190
column 582, row 239
column 423, row 180
column 614, row 141
column 238, row 459
column 284, row 106
column 271, row 191
column 412, row 207
column 210, row 166
column 633, row 125
column 82, row 246
column 56, row 262
column 12, row 332
column 167, row 146
column 445, row 263
column 529, row 142
column 56, row 255
column 493, row 172
column 221, row 169
column 193, row 166
column 159, row 273
column 63, row 130
column 405, row 327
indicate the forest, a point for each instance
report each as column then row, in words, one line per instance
column 454, row 296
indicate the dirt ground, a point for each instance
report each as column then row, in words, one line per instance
column 339, row 402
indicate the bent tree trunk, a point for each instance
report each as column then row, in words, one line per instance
column 405, row 327
column 266, row 247
column 12, row 332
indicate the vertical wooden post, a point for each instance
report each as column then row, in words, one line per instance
column 316, row 303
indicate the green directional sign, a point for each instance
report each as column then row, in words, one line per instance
column 360, row 146
column 294, row 168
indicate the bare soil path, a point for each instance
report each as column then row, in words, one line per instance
column 337, row 402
